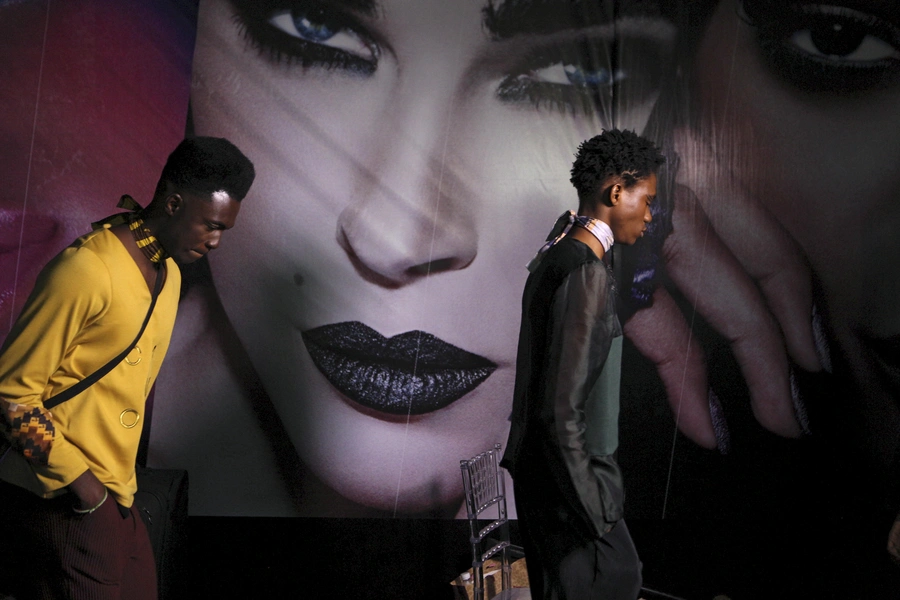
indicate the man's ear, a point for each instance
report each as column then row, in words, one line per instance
column 174, row 203
column 615, row 194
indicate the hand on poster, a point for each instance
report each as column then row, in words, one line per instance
column 750, row 302
column 786, row 241
column 741, row 272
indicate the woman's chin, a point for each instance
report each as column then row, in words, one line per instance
column 380, row 482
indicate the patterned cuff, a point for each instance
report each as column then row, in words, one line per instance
column 30, row 430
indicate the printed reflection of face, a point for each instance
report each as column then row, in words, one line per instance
column 411, row 157
column 813, row 106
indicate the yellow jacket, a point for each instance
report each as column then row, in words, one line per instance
column 86, row 307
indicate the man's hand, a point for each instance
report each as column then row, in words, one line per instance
column 88, row 489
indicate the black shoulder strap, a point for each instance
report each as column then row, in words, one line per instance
column 98, row 374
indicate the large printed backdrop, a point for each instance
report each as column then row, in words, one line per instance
column 354, row 337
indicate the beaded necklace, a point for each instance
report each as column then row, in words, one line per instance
column 145, row 240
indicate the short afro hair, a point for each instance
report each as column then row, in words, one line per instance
column 613, row 153
column 204, row 165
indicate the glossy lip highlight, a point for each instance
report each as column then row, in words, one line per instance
column 412, row 373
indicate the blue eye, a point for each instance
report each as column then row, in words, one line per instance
column 314, row 27
column 579, row 77
column 601, row 77
column 592, row 70
column 568, row 73
column 309, row 30
column 308, row 33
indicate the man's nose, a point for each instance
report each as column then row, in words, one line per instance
column 215, row 237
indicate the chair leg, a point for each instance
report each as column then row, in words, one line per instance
column 478, row 588
column 505, row 570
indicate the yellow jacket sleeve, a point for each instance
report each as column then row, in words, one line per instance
column 71, row 293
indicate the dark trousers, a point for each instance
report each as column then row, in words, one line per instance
column 50, row 552
column 566, row 562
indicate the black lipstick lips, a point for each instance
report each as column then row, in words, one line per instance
column 410, row 373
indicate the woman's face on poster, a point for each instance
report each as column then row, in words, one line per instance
column 411, row 157
column 810, row 95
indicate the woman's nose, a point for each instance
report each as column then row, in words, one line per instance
column 401, row 231
column 411, row 216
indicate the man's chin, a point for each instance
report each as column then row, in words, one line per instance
column 187, row 257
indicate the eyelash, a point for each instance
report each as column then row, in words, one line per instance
column 253, row 19
column 582, row 97
column 780, row 27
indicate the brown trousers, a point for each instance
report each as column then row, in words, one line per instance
column 50, row 552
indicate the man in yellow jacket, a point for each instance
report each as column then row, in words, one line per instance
column 67, row 483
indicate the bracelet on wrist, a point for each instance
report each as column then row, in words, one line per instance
column 87, row 511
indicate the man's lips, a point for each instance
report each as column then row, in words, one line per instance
column 410, row 373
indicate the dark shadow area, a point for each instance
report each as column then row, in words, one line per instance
column 243, row 557
column 751, row 558
column 764, row 559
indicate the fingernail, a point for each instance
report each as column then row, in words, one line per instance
column 799, row 405
column 823, row 351
column 720, row 425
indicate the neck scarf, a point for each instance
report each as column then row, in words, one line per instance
column 564, row 223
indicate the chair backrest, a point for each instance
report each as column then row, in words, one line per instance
column 485, row 491
column 483, row 482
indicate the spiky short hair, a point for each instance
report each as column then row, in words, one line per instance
column 614, row 152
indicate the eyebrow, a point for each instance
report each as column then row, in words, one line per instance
column 507, row 18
